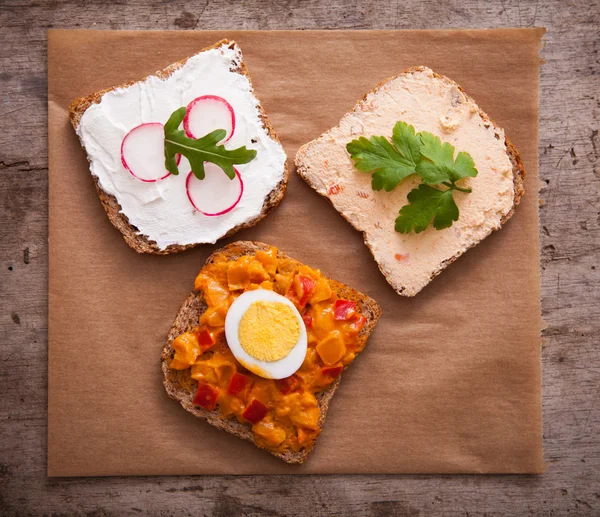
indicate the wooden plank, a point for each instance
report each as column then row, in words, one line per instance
column 570, row 220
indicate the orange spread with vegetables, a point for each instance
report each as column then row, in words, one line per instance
column 284, row 413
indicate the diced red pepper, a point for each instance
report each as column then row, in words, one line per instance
column 255, row 412
column 238, row 383
column 308, row 286
column 292, row 294
column 206, row 396
column 332, row 371
column 288, row 384
column 308, row 321
column 358, row 323
column 205, row 340
column 344, row 309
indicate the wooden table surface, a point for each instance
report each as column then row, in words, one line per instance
column 569, row 149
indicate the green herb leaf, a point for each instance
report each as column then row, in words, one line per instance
column 407, row 142
column 438, row 164
column 464, row 166
column 423, row 153
column 377, row 155
column 200, row 150
column 427, row 203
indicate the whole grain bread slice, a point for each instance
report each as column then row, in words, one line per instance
column 518, row 170
column 142, row 243
column 182, row 388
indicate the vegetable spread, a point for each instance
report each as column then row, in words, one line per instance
column 284, row 413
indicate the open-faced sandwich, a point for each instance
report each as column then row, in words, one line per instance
column 421, row 170
column 259, row 346
column 185, row 156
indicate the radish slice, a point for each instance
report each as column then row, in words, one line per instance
column 143, row 152
column 207, row 113
column 216, row 194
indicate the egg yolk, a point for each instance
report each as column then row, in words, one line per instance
column 268, row 330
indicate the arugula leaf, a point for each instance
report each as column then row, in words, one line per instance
column 389, row 164
column 200, row 150
column 427, row 203
column 439, row 165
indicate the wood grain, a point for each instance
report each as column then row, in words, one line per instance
column 569, row 149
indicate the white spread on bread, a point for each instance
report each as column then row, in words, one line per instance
column 429, row 103
column 161, row 210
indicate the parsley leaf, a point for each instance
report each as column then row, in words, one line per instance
column 423, row 153
column 427, row 203
column 407, row 142
column 200, row 150
column 438, row 164
column 389, row 163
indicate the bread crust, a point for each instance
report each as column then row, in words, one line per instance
column 182, row 388
column 142, row 243
column 512, row 152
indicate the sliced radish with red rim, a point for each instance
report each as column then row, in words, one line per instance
column 216, row 194
column 207, row 113
column 143, row 152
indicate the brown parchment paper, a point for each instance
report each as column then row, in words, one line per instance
column 449, row 381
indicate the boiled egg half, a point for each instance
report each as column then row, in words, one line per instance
column 266, row 334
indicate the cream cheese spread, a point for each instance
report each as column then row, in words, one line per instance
column 161, row 210
column 429, row 103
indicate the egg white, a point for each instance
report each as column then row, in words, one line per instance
column 274, row 369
